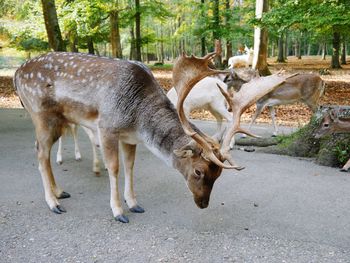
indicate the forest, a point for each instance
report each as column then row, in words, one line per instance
column 156, row 31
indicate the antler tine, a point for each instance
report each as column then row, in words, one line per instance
column 216, row 52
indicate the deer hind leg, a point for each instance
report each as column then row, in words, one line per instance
column 129, row 151
column 346, row 166
column 74, row 129
column 259, row 109
column 96, row 162
column 273, row 118
column 47, row 133
column 110, row 145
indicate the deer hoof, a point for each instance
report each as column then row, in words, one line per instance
column 58, row 209
column 137, row 209
column 59, row 162
column 97, row 174
column 238, row 168
column 122, row 218
column 63, row 195
column 344, row 170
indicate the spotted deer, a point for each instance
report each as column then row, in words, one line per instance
column 306, row 88
column 335, row 121
column 123, row 105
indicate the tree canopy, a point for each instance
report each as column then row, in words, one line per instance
column 162, row 29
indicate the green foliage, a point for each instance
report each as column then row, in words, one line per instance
column 342, row 150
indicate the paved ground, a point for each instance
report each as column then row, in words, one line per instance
column 279, row 209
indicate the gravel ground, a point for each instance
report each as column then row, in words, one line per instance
column 278, row 209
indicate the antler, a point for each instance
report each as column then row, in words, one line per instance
column 184, row 70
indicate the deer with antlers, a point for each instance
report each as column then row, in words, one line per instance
column 335, row 121
column 123, row 105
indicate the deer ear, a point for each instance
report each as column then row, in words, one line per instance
column 333, row 114
column 186, row 151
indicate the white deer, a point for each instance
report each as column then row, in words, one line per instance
column 205, row 95
column 245, row 59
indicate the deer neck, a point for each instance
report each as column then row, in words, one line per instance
column 162, row 133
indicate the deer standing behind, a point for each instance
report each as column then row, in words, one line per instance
column 74, row 128
column 123, row 105
column 306, row 88
column 205, row 95
column 242, row 60
column 335, row 121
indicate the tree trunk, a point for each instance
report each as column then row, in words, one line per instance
column 286, row 47
column 132, row 43
column 228, row 41
column 343, row 52
column 115, row 35
column 336, row 47
column 324, row 49
column 216, row 27
column 260, row 41
column 161, row 46
column 203, row 51
column 52, row 27
column 298, row 48
column 280, row 57
column 138, row 30
column 73, row 40
column 90, row 45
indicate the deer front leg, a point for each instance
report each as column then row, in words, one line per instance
column 346, row 166
column 129, row 151
column 109, row 141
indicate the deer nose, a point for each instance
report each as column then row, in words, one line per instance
column 202, row 203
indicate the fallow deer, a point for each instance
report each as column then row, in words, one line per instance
column 123, row 105
column 335, row 121
column 306, row 88
column 242, row 60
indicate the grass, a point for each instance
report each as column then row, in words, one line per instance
column 160, row 67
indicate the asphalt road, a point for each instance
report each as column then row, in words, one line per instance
column 278, row 209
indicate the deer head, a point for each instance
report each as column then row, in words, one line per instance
column 328, row 123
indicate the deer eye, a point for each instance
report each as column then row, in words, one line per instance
column 197, row 174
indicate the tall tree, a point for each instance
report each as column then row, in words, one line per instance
column 260, row 41
column 281, row 46
column 203, row 51
column 115, row 34
column 216, row 30
column 138, row 30
column 336, row 48
column 52, row 27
